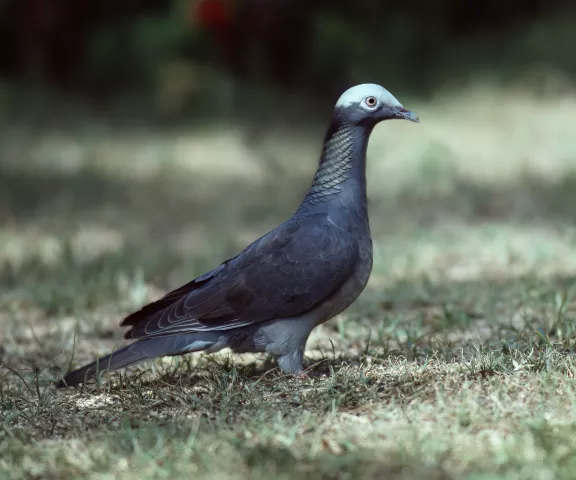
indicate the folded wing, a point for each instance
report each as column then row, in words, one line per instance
column 286, row 273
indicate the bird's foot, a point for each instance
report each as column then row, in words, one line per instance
column 309, row 375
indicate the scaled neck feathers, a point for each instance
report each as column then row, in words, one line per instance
column 342, row 167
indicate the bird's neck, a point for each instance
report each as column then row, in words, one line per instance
column 341, row 174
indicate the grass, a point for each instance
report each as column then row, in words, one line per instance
column 456, row 363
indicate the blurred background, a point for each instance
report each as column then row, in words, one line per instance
column 197, row 57
column 144, row 141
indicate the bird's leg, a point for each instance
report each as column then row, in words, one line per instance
column 293, row 362
column 286, row 342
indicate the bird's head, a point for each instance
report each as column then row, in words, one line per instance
column 370, row 104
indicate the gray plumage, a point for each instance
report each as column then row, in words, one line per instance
column 270, row 296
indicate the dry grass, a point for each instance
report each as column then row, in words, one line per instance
column 455, row 363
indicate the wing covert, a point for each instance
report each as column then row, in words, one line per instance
column 283, row 274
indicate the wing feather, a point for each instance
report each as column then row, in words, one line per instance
column 283, row 274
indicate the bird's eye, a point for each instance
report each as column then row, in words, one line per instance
column 371, row 102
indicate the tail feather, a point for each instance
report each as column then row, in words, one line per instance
column 139, row 351
column 121, row 358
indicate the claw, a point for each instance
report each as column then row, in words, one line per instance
column 307, row 376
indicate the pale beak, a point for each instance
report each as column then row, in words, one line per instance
column 407, row 115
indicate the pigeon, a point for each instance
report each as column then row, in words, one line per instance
column 304, row 272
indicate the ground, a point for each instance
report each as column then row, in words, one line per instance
column 456, row 362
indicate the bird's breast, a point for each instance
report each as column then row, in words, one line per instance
column 355, row 284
